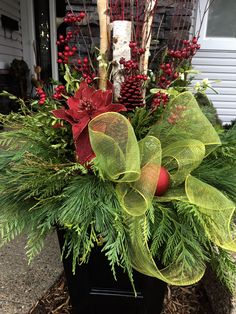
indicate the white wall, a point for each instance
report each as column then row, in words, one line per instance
column 10, row 48
column 219, row 65
column 216, row 60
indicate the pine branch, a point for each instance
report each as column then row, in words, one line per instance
column 223, row 264
column 175, row 239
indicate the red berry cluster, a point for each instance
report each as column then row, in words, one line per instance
column 67, row 50
column 42, row 95
column 188, row 51
column 85, row 70
column 168, row 71
column 167, row 75
column 129, row 65
column 64, row 40
column 135, row 51
column 63, row 56
column 176, row 114
column 131, row 91
column 159, row 100
column 72, row 17
column 59, row 90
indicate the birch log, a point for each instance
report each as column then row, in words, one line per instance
column 147, row 34
column 102, row 7
column 121, row 39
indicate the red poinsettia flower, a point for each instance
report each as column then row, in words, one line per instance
column 86, row 104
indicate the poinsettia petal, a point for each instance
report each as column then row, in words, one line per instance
column 78, row 127
column 110, row 86
column 63, row 114
column 82, row 86
column 73, row 102
column 77, row 115
column 97, row 99
column 83, row 93
column 83, row 147
column 107, row 95
column 116, row 108
column 87, row 92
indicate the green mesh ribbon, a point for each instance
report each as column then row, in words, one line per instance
column 179, row 141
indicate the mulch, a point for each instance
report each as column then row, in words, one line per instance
column 178, row 300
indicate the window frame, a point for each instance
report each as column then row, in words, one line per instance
column 208, row 43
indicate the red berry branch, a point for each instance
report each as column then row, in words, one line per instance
column 42, row 95
column 160, row 100
column 169, row 71
column 65, row 43
column 59, row 91
column 69, row 52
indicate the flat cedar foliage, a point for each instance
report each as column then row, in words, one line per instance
column 43, row 189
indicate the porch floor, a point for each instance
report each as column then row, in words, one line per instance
column 22, row 285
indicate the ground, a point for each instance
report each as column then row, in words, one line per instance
column 178, row 300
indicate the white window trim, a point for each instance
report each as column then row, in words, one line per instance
column 28, row 32
column 217, row 43
column 53, row 38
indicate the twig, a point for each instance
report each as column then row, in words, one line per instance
column 104, row 41
column 146, row 41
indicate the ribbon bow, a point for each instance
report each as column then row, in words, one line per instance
column 179, row 141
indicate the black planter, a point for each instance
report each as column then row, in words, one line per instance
column 93, row 289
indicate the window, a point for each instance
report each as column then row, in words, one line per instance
column 218, row 30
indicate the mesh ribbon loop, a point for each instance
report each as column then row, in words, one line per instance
column 186, row 137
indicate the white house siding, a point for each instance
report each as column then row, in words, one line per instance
column 219, row 65
column 10, row 48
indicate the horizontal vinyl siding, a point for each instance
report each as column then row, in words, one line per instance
column 219, row 65
column 10, row 44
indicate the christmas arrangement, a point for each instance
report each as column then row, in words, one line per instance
column 124, row 157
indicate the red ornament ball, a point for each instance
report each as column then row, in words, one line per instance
column 163, row 182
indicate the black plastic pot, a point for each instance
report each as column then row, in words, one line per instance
column 93, row 290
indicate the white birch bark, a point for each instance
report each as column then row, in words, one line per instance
column 121, row 39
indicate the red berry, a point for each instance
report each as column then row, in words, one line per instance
column 168, row 71
column 176, row 75
column 82, row 15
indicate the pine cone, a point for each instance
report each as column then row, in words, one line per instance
column 131, row 93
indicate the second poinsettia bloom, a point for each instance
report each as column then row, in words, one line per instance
column 86, row 104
